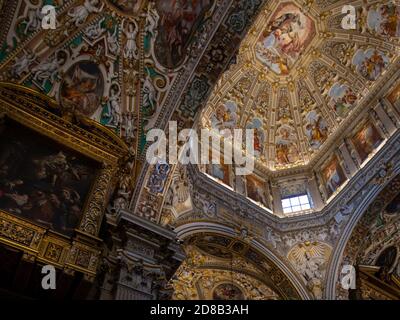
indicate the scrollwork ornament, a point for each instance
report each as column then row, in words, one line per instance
column 92, row 217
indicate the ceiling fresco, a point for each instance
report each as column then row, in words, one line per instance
column 324, row 103
column 299, row 75
column 298, row 78
column 287, row 35
column 116, row 62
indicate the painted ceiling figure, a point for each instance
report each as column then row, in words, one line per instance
column 80, row 90
column 177, row 21
column 285, row 32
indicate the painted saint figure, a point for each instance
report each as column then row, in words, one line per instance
column 385, row 20
column 343, row 99
column 286, row 146
column 316, row 129
column 370, row 63
column 82, row 88
column 225, row 117
column 285, row 38
column 178, row 20
column 333, row 176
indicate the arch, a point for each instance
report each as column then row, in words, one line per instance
column 191, row 230
column 372, row 204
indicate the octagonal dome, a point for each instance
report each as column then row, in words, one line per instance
column 298, row 79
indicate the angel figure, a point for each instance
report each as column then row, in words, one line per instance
column 152, row 18
column 35, row 18
column 46, row 71
column 94, row 31
column 272, row 238
column 120, row 203
column 130, row 50
column 112, row 41
column 128, row 125
column 149, row 97
column 80, row 13
column 22, row 64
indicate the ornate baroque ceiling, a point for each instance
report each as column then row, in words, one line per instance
column 300, row 78
column 124, row 64
column 136, row 57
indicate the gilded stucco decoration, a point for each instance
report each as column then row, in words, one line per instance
column 53, row 202
column 376, row 232
column 323, row 101
column 306, row 80
column 208, row 275
column 318, row 75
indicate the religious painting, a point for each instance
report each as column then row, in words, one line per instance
column 259, row 136
column 256, row 190
column 370, row 63
column 179, row 19
column 333, row 176
column 221, row 172
column 82, row 89
column 287, row 151
column 394, row 96
column 343, row 99
column 41, row 180
column 227, row 291
column 128, row 6
column 285, row 38
column 316, row 129
column 385, row 20
column 366, row 140
column 225, row 117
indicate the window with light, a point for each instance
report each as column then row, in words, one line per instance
column 296, row 204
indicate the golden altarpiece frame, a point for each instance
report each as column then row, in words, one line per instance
column 79, row 250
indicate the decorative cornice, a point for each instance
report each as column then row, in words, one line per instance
column 361, row 181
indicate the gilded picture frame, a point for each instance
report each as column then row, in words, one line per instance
column 80, row 249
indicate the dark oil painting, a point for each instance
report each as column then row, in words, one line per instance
column 366, row 140
column 178, row 21
column 41, row 180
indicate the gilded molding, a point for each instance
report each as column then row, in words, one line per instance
column 40, row 113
